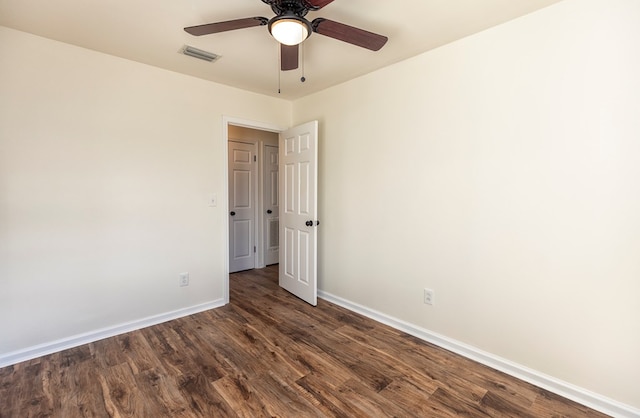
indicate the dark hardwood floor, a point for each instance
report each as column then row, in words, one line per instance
column 268, row 354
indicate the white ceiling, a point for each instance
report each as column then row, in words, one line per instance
column 151, row 32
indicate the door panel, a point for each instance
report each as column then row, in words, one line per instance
column 242, row 178
column 241, row 235
column 242, row 188
column 303, row 184
column 298, row 216
column 304, row 247
column 289, row 188
column 287, row 251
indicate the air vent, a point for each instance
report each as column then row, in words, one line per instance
column 199, row 53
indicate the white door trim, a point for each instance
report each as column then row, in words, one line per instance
column 224, row 201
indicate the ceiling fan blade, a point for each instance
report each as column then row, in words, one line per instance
column 288, row 57
column 217, row 27
column 316, row 4
column 349, row 34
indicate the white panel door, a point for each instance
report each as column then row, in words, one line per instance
column 242, row 177
column 271, row 236
column 298, row 150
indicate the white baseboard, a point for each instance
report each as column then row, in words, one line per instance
column 89, row 337
column 557, row 386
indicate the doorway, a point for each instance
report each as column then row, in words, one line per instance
column 252, row 197
column 298, row 156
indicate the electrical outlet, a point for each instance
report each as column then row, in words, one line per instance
column 184, row 279
column 429, row 296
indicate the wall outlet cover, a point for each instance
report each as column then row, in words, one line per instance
column 429, row 296
column 184, row 279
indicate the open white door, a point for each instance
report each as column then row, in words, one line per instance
column 298, row 150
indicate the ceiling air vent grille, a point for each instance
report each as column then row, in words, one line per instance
column 200, row 54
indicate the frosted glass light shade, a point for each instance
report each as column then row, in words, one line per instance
column 289, row 31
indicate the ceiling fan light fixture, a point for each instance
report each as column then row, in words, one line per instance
column 289, row 29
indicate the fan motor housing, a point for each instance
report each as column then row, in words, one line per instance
column 280, row 7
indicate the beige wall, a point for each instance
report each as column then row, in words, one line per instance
column 502, row 171
column 106, row 168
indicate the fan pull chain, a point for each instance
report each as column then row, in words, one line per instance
column 302, row 79
column 279, row 66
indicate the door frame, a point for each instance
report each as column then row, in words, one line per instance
column 245, row 123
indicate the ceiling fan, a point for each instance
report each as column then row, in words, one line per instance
column 290, row 28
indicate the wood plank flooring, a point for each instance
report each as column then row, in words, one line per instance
column 268, row 354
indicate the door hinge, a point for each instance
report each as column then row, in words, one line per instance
column 255, row 158
column 254, row 248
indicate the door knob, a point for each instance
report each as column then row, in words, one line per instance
column 309, row 223
column 269, row 211
column 232, row 213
